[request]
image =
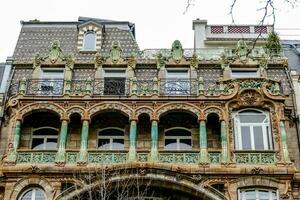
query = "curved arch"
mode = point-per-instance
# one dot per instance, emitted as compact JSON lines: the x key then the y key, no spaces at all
{"x":124,"y":109}
{"x":216,"y":110}
{"x":30,"y":108}
{"x":75,"y":109}
{"x":165,"y":181}
{"x":190,"y":108}
{"x":144,"y":110}
{"x":25,"y":183}
{"x":259,"y":181}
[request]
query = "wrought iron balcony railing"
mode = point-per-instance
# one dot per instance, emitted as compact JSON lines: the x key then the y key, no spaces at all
{"x":178,"y":87}
{"x":139,"y":87}
{"x":45,"y":87}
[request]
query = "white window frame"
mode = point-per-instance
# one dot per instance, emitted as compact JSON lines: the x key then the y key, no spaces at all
{"x":241,"y":193}
{"x":83,"y":44}
{"x":245,"y":70}
{"x":111,"y":138}
{"x":266,"y":128}
{"x":182,"y":73}
{"x":178,"y":138}
{"x":45,"y":137}
{"x":33,"y":195}
{"x":47,"y":79}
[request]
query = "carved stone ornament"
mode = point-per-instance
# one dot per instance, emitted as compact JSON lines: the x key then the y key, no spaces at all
{"x":249,"y":98}
{"x":55,"y":51}
{"x":194,"y":60}
{"x":177,"y":51}
{"x":257,"y":170}
{"x":98,"y":59}
{"x":132,"y":60}
{"x":37,"y":60}
{"x":242,"y":50}
{"x":115,"y":52}
{"x":70,"y":60}
{"x":160,"y":61}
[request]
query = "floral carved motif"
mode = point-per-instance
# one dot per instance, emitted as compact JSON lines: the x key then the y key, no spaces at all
{"x":249,"y":98}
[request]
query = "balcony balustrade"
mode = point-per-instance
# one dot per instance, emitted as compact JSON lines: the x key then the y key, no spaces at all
{"x":116,"y":157}
{"x":122,"y":87}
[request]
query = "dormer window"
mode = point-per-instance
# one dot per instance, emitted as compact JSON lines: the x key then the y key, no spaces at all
{"x":89,"y":41}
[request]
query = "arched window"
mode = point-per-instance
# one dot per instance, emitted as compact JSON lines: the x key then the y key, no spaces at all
{"x":258,"y":194}
{"x":33,"y":194}
{"x":111,"y":138}
{"x":89,"y":41}
{"x":252,"y":130}
{"x":44,"y":138}
{"x":178,"y":139}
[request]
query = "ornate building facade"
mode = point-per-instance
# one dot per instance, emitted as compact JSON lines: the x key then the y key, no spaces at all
{"x":90,"y":116}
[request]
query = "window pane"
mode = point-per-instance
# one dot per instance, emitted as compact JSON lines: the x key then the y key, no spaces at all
{"x":246,"y":139}
{"x":252,"y":118}
{"x":258,"y":137}
{"x":103,"y":143}
{"x":27,"y":195}
{"x":170,"y":144}
{"x":263,"y":195}
{"x":243,"y":74}
{"x":250,"y":195}
{"x":185,"y":144}
{"x":37,"y":143}
{"x":186,"y":141}
{"x":51,"y":143}
{"x":39,"y":195}
{"x":274,"y":196}
{"x":89,"y":41}
{"x":118,"y":144}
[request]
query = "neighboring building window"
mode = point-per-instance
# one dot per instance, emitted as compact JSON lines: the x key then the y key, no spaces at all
{"x":44,"y":138}
{"x":252,"y":130}
{"x":115,"y":82}
{"x":244,"y":73}
{"x":89,"y":41}
{"x":111,"y":139}
{"x":178,"y":139}
{"x":258,"y":194}
{"x":33,"y":194}
{"x":177,"y":82}
{"x":51,"y":82}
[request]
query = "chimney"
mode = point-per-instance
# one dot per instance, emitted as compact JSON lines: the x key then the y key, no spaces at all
{"x":199,"y":27}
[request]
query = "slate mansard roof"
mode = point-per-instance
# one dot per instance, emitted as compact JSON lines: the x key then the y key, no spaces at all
{"x":36,"y":37}
{"x":292,"y":52}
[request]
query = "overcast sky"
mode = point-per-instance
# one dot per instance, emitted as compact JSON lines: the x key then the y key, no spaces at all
{"x":158,"y":22}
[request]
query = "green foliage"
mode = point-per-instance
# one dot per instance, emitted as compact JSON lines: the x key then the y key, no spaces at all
{"x":273,"y":45}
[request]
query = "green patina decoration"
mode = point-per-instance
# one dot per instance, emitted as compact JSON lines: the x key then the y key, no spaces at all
{"x":60,"y":156}
{"x":70,"y":60}
{"x":242,"y":50}
{"x":12,"y":156}
{"x":83,"y":155}
{"x":224,"y":142}
{"x":177,"y":51}
{"x":160,"y":61}
{"x":203,"y":142}
{"x":132,"y":141}
{"x":154,"y":141}
{"x":250,"y":84}
{"x":273,"y":45}
{"x":179,"y":158}
{"x":115,"y":52}
{"x":274,"y":88}
{"x":284,"y":142}
{"x":55,"y":51}
{"x":255,"y":158}
{"x":37,"y":60}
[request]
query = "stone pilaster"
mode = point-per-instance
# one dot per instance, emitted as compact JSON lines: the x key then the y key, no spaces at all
{"x":154,"y":141}
{"x":83,"y":154}
{"x":61,"y":154}
{"x":132,"y":141}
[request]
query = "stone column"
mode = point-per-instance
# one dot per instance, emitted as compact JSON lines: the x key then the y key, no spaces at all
{"x":83,"y":154}
{"x":12,"y":155}
{"x":61,"y":154}
{"x":224,"y":143}
{"x":132,"y":141}
{"x":285,"y":153}
{"x":154,"y":141}
{"x":203,"y":142}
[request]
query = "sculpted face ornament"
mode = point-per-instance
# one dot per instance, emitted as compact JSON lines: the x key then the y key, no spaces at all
{"x":177,"y":51}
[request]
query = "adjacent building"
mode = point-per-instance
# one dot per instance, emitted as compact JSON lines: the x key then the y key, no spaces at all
{"x":91,"y":116}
